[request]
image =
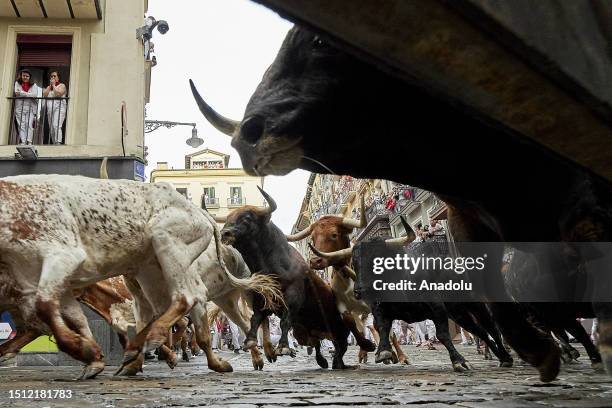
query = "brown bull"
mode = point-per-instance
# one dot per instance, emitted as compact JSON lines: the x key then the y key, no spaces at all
{"x":331,"y":234}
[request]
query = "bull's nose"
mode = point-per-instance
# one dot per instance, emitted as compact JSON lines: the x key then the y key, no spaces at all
{"x":226,"y":236}
{"x":251,"y":129}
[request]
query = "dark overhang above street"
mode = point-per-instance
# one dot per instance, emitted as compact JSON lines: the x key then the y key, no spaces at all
{"x":543,"y":70}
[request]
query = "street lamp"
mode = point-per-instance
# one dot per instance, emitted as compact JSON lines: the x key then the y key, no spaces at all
{"x":194,"y":141}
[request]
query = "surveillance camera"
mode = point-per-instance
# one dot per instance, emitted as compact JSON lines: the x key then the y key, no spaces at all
{"x":162,"y":26}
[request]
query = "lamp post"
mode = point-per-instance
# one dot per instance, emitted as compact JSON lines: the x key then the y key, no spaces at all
{"x":194,"y":141}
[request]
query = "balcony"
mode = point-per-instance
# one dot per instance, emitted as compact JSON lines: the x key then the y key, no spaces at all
{"x":211,"y":202}
{"x":437,"y":211}
{"x":236,"y":202}
{"x":40,"y":121}
{"x":377,"y":217}
{"x":89,"y":9}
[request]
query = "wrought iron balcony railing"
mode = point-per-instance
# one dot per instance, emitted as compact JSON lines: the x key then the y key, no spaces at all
{"x":236,"y":202}
{"x":211,"y":202}
{"x":38,"y":120}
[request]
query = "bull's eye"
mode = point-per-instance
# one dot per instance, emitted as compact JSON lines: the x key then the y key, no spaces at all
{"x":317,"y":42}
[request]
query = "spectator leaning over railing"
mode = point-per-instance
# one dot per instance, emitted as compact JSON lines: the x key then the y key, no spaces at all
{"x":56,"y":108}
{"x":25,"y":109}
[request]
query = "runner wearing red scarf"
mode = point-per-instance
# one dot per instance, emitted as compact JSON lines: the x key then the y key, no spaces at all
{"x":25,"y":109}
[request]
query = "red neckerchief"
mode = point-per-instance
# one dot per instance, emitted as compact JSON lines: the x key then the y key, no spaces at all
{"x":25,"y":86}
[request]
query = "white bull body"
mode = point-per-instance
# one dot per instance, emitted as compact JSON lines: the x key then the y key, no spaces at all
{"x":59,"y":233}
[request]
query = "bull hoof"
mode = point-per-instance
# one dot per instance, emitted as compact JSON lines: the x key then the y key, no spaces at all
{"x":269,"y":353}
{"x":488,"y":356}
{"x":172,"y":360}
{"x":368,"y":345}
{"x":549,"y":368}
{"x":321,"y":361}
{"x":346,"y":367}
{"x":223,"y":367}
{"x":91,"y":370}
{"x":506,"y":364}
{"x":258,"y":364}
{"x":575,"y":354}
{"x":362,"y":356}
{"x":285,"y":351}
{"x":597,"y":366}
{"x":132,"y":367}
{"x":6,"y":357}
{"x":394,"y":358}
{"x":383,"y":355}
{"x":185,"y":357}
{"x":309,"y":350}
{"x":566,"y":357}
{"x":249,"y":344}
{"x":404,"y":360}
{"x":461,"y":367}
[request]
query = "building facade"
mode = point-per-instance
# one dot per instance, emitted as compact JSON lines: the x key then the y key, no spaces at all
{"x":384,"y":201}
{"x":207,"y":177}
{"x":93,"y":45}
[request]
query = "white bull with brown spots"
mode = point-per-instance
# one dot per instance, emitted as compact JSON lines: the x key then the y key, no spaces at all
{"x":60,"y":233}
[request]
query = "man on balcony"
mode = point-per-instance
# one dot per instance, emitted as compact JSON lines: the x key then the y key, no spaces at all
{"x":56,"y":107}
{"x":25,"y":109}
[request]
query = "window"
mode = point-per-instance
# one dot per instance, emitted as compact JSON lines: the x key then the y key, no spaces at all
{"x":236,"y":196}
{"x":36,"y":118}
{"x":209,"y":197}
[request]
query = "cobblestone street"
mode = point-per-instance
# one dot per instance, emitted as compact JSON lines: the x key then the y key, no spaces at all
{"x":299,"y":382}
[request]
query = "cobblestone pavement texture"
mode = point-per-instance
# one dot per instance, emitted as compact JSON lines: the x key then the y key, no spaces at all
{"x":428,"y":381}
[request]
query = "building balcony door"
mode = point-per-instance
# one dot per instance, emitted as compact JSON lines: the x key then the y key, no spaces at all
{"x":35,"y":118}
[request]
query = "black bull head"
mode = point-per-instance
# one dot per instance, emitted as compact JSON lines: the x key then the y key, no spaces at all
{"x":298,"y":108}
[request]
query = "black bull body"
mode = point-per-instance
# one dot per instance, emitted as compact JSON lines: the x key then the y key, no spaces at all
{"x":321,"y":109}
{"x":310,"y":304}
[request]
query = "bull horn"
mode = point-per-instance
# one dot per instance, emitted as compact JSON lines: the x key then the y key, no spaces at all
{"x":351,"y":223}
{"x":219,"y":218}
{"x":103,"y":169}
{"x":410,"y":234}
{"x":350,"y":272}
{"x":300,"y":235}
{"x":271,"y":203}
{"x":333,"y":256}
{"x":221,"y":123}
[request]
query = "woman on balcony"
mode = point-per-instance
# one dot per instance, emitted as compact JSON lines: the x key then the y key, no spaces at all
{"x":25,"y":109}
{"x":56,"y":108}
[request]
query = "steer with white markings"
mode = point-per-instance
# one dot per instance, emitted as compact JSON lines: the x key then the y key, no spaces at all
{"x":60,"y":233}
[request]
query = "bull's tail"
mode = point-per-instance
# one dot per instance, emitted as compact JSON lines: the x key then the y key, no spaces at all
{"x":212,"y":313}
{"x":266,"y":285}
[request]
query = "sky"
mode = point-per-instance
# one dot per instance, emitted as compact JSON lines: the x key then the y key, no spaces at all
{"x":225,"y":46}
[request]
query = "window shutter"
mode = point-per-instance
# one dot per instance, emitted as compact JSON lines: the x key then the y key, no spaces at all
{"x":44,"y":50}
{"x":44,"y":56}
